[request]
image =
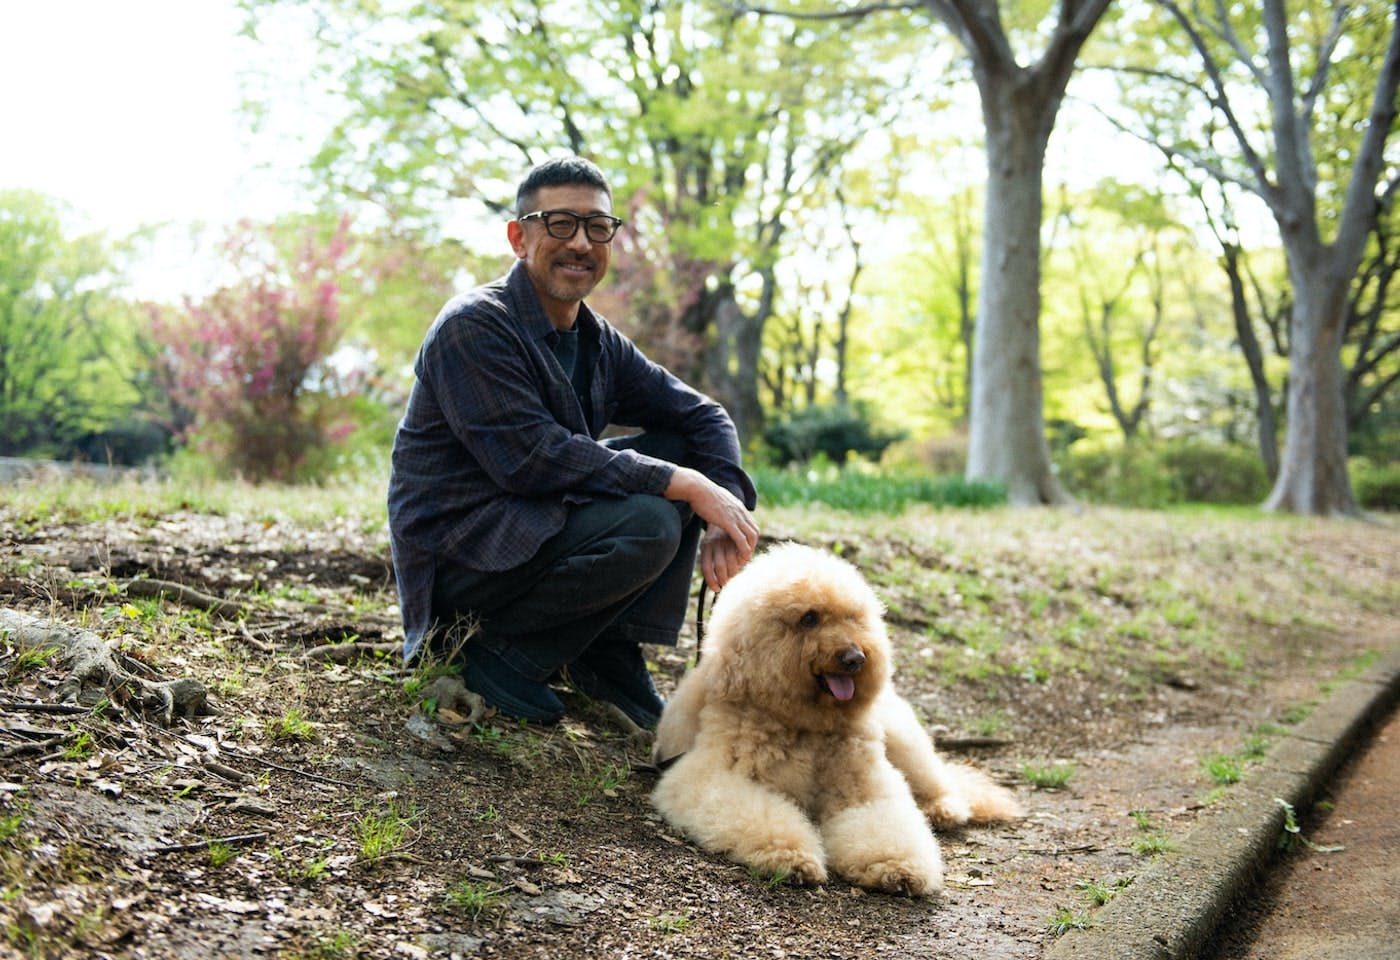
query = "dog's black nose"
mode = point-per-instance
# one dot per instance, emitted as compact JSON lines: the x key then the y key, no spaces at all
{"x":851,"y":659}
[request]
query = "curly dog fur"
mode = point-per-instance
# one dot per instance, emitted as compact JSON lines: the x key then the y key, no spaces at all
{"x":794,"y":754}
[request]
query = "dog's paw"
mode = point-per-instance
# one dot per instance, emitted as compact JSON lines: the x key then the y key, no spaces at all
{"x":789,"y":866}
{"x":995,"y":804}
{"x":947,"y":810}
{"x":899,"y":876}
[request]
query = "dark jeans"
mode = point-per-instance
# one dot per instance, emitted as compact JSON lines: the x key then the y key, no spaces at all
{"x":619,"y":571}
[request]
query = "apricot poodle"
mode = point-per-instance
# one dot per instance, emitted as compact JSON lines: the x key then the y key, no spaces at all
{"x":787,"y":749}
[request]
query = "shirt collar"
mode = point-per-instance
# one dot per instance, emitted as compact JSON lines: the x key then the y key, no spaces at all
{"x":533,"y":319}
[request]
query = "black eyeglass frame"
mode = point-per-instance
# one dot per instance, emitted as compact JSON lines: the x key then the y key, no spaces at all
{"x":552,"y":227}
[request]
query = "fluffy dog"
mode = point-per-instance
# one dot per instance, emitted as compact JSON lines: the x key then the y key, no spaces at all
{"x":792,"y":753}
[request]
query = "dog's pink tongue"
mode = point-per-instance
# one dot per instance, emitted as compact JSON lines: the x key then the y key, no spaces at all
{"x":842,"y":687}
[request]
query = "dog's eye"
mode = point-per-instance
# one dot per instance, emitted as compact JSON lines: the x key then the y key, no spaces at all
{"x":810,"y":619}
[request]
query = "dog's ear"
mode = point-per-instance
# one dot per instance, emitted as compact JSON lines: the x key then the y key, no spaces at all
{"x":724,"y":679}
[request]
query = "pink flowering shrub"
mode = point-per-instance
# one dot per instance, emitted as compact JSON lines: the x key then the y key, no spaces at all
{"x":245,"y":367}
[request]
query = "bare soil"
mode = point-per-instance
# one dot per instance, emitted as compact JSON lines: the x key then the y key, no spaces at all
{"x":321,"y":810}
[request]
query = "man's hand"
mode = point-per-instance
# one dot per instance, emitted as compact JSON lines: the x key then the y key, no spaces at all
{"x":732,"y":535}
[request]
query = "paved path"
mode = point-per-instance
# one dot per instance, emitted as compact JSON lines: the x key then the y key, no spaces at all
{"x":1343,"y":905}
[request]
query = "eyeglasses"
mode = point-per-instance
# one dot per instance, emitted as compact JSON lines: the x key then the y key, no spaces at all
{"x":563,"y":224}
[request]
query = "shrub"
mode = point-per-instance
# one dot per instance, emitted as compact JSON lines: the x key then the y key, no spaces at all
{"x":1131,"y":475}
{"x":835,"y":432}
{"x":245,"y":368}
{"x":1216,"y":473}
{"x":1148,"y":475}
{"x":1376,"y":486}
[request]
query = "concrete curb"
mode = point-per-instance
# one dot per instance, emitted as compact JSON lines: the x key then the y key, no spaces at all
{"x":1173,"y":908}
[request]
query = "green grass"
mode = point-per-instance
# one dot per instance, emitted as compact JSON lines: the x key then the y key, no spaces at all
{"x":860,"y":491}
{"x":1048,"y":776}
{"x":1064,"y":920}
{"x":382,"y":832}
{"x":669,"y":923}
{"x":1224,"y":768}
{"x":1151,"y":840}
{"x":292,"y":725}
{"x":1100,"y":892}
{"x":473,"y":899}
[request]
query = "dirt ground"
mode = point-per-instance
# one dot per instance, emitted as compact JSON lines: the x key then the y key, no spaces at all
{"x":322,"y":810}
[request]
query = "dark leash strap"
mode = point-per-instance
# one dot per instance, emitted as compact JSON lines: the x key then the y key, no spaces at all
{"x":700,"y":622}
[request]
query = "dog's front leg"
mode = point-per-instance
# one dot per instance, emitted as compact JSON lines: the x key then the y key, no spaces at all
{"x":727,"y":813}
{"x":950,"y":794}
{"x":876,"y":836}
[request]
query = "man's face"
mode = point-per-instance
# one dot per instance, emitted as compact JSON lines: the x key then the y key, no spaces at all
{"x":563,"y":271}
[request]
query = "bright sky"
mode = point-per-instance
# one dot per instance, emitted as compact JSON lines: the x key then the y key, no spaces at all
{"x":127,"y":110}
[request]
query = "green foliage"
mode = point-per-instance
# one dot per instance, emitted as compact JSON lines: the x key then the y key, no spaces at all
{"x":834,"y":432}
{"x":474,"y":899}
{"x":1216,"y":473}
{"x":1064,"y":920}
{"x":1128,"y":475}
{"x":1376,"y":486}
{"x":1148,"y":475}
{"x":66,"y":358}
{"x":1224,"y":768}
{"x":862,"y":492}
{"x":1048,"y":776}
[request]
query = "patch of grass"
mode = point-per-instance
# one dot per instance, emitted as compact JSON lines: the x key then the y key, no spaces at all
{"x":292,"y":725}
{"x":340,"y":945}
{"x":1151,"y":840}
{"x":988,"y":724}
{"x":1100,"y":892}
{"x":1224,"y":768}
{"x":770,"y":880}
{"x":382,"y":832}
{"x":220,"y":853}
{"x":859,"y":491}
{"x":23,"y":939}
{"x":669,"y":923}
{"x":80,"y":747}
{"x":1064,"y":920}
{"x":11,"y":821}
{"x":603,"y":783}
{"x":1048,"y":776}
{"x":473,"y":899}
{"x":31,"y":658}
{"x":1297,"y":713}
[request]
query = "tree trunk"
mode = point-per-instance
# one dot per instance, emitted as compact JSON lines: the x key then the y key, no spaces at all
{"x":731,"y":362}
{"x":1312,"y":476}
{"x":1254,"y":359}
{"x":1006,"y":441}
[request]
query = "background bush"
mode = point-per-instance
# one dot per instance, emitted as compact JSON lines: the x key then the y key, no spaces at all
{"x":834,"y":432}
{"x":1376,"y":486}
{"x":1151,"y":475}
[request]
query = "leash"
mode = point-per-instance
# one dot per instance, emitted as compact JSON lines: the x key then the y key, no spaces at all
{"x":700,"y":622}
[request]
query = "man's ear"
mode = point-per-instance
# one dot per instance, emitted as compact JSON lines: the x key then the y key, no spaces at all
{"x":515,"y":233}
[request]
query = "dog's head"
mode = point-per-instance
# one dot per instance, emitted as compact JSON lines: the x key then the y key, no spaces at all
{"x":799,"y":631}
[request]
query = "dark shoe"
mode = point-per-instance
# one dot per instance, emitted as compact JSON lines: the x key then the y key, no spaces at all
{"x":506,"y":689}
{"x":617,"y":673}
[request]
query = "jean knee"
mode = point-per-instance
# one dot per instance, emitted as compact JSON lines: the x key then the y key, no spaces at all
{"x":658,"y":520}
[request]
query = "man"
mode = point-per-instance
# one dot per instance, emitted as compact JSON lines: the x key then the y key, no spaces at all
{"x":507,"y":510}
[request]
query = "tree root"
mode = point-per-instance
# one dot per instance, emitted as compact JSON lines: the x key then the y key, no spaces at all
{"x":94,"y":675}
